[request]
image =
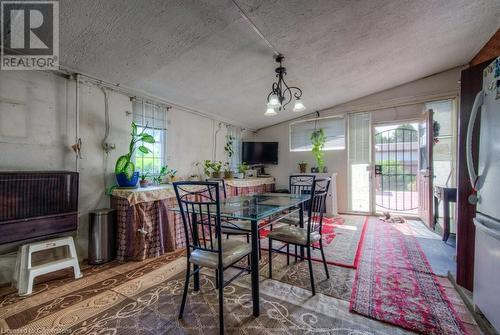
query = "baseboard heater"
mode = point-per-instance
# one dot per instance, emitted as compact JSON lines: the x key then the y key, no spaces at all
{"x":35,"y":205}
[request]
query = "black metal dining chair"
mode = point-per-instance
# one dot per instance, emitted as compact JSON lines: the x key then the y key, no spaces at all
{"x":311,"y":233}
{"x":234,"y":227}
{"x":297,"y":184}
{"x":199,"y":204}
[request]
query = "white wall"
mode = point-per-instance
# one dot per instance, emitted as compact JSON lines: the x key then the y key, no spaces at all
{"x":37,"y":129}
{"x":400,"y":103}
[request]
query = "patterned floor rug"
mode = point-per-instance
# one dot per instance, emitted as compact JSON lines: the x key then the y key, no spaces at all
{"x":394,"y":283}
{"x":342,"y":240}
{"x":144,"y":298}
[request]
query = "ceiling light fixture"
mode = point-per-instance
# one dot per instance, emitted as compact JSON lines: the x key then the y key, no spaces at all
{"x":281,"y":94}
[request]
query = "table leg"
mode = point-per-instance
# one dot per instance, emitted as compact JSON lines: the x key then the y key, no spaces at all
{"x":301,"y":224}
{"x":436,"y":212}
{"x":255,"y":268}
{"x":446,"y":220}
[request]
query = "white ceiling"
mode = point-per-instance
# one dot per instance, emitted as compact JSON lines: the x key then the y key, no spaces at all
{"x":203,"y":55}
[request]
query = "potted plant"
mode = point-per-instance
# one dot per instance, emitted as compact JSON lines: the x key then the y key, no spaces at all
{"x":144,"y":181}
{"x":171,"y":175}
{"x":126,"y":176}
{"x":216,"y":169}
{"x":207,"y":167}
{"x":318,"y":140}
{"x":228,"y":174}
{"x":302,"y":167}
{"x":228,"y":148}
{"x":242,"y":170}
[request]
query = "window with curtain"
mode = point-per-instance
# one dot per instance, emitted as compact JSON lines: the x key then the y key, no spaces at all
{"x":151,"y":118}
{"x":333,"y":127}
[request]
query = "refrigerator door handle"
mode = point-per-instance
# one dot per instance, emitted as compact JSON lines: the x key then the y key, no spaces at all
{"x":478,"y":102}
{"x":487,"y":230}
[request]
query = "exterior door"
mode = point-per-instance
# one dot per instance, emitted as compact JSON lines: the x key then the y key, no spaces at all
{"x":396,"y":167}
{"x":425,"y":174}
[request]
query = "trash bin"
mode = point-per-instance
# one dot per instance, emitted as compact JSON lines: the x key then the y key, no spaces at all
{"x":102,"y":236}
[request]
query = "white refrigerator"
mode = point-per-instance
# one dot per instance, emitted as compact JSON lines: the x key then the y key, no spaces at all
{"x":486,"y":182}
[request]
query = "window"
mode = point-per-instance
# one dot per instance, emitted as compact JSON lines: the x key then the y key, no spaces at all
{"x":334,"y":128}
{"x":152,"y":118}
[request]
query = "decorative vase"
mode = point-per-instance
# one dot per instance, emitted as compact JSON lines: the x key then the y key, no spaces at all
{"x":314,"y":170}
{"x":215,"y":174}
{"x":303,"y":168}
{"x":143,"y":183}
{"x":325,"y":169}
{"x":123,"y":181}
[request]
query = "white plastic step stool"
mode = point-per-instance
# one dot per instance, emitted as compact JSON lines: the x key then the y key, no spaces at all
{"x":25,"y":273}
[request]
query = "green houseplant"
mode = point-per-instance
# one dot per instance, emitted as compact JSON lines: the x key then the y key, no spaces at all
{"x":126,"y":175}
{"x":318,"y":140}
{"x":216,"y":169}
{"x":228,"y":148}
{"x":242,"y":169}
{"x":302,"y":167}
{"x":144,"y":179}
{"x":228,"y":174}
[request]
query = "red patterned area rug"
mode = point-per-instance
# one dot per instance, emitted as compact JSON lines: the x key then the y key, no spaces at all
{"x":342,"y":240}
{"x":394,"y":283}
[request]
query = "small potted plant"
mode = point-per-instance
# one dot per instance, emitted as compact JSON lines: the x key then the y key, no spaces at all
{"x":216,"y":169}
{"x":144,"y":182}
{"x":207,"y":167}
{"x":159,"y":178}
{"x":242,"y":170}
{"x":126,"y":176}
{"x":302,"y":167}
{"x":318,"y":139}
{"x":171,"y":175}
{"x":228,"y":174}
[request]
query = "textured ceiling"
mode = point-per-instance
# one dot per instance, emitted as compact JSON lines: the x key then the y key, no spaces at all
{"x":204,"y":56}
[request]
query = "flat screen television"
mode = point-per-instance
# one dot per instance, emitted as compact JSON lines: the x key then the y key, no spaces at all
{"x":259,"y":153}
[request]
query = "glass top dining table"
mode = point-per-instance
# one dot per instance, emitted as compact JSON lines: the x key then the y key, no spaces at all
{"x":258,"y":206}
{"x":255,"y":208}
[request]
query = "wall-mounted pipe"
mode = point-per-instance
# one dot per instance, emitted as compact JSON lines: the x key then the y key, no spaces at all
{"x":78,"y":140}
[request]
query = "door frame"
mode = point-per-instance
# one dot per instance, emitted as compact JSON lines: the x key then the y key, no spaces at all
{"x":373,"y":197}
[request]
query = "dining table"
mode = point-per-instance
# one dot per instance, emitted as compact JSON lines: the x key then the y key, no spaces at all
{"x":262,"y":210}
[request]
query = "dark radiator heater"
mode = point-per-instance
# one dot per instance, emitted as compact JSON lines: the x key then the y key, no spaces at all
{"x":37,"y":204}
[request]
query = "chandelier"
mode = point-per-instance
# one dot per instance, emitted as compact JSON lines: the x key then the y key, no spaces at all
{"x":281,"y":94}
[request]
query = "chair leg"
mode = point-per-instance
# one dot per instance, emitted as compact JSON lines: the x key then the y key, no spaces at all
{"x":196,"y":278}
{"x":296,"y":253}
{"x":184,"y":294}
{"x":287,"y":254}
{"x":227,"y":236}
{"x":324,"y":259}
{"x":248,"y":238}
{"x":216,"y":279}
{"x":260,"y":253}
{"x":310,"y":269}
{"x":270,"y":259}
{"x":221,"y":300}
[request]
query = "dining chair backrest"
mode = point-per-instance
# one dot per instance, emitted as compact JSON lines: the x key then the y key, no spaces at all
{"x":200,"y":213}
{"x":301,"y":184}
{"x":222,"y":185}
{"x":318,"y":202}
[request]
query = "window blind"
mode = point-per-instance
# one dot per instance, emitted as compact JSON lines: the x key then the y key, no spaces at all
{"x":333,"y":127}
{"x":359,"y":138}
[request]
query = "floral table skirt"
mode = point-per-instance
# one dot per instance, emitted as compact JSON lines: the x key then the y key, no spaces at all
{"x":249,"y":190}
{"x":147,"y":229}
{"x":150,"y":229}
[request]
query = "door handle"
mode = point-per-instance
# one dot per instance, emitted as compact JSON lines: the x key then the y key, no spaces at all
{"x":478,"y":101}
